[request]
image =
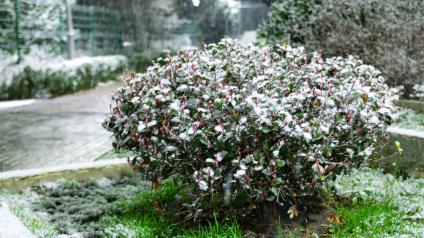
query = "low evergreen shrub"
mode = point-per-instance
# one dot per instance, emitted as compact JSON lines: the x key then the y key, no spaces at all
{"x":241,"y":126}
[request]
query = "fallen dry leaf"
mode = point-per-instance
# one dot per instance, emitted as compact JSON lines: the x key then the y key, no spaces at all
{"x":334,"y":219}
{"x":293,"y":212}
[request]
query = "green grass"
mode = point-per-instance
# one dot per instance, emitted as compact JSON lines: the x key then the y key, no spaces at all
{"x":216,"y":229}
{"x":368,"y":219}
{"x":382,"y":205}
{"x":120,"y":209}
{"x":39,"y":227}
{"x":140,"y":217}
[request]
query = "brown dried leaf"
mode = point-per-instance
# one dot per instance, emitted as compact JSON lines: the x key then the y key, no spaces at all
{"x":293,"y":212}
{"x":334,"y":219}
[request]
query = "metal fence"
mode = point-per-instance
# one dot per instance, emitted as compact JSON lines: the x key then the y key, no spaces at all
{"x":112,"y":27}
{"x":96,"y":29}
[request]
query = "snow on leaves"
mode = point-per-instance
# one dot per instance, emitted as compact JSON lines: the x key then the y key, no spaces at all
{"x":266,"y":121}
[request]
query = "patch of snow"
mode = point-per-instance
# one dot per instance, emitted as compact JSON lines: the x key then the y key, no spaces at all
{"x":104,"y":182}
{"x":50,"y":185}
{"x":11,"y":226}
{"x":42,"y":59}
{"x":15,"y":103}
{"x":248,"y":37}
{"x":104,"y":84}
{"x":406,"y":132}
{"x":75,"y":235}
{"x":418,"y":91}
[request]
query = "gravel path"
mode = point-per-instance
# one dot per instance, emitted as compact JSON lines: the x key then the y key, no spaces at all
{"x":57,"y":131}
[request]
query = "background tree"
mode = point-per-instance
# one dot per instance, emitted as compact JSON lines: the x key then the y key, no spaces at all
{"x":385,"y":33}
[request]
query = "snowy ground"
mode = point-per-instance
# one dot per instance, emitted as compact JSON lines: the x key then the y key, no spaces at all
{"x":11,"y":226}
{"x":58,"y":131}
{"x":373,"y":185}
{"x":407,"y":132}
{"x":15,"y":103}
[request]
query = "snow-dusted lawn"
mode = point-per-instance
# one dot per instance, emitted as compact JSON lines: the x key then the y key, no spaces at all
{"x":403,"y":217}
{"x":382,"y":206}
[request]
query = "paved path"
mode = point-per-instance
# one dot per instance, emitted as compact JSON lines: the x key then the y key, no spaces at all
{"x":56,"y":131}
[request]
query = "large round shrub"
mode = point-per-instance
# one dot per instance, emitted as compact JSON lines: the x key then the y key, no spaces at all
{"x":385,"y":33}
{"x":233,"y":121}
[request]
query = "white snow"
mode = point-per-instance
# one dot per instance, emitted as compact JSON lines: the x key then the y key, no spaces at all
{"x":41,"y":59}
{"x":374,"y":185}
{"x":406,"y":132}
{"x":11,"y":226}
{"x":15,"y":103}
{"x":248,"y":37}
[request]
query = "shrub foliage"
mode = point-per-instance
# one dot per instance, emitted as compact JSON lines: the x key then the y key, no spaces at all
{"x":384,"y":33}
{"x":33,"y":82}
{"x":264,"y":124}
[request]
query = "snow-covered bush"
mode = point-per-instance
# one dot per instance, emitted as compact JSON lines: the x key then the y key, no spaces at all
{"x":268,"y":123}
{"x":43,"y":74}
{"x":384,"y":33}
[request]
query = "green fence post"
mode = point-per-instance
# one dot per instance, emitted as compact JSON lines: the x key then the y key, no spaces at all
{"x":18,"y":45}
{"x":92,"y":31}
{"x":114,"y":31}
{"x":62,"y":32}
{"x":71,"y":33}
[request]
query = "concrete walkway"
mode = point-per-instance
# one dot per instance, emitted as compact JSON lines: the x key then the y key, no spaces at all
{"x":57,"y":131}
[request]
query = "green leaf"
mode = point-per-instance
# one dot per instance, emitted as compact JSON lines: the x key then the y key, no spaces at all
{"x":281,"y":163}
{"x":275,"y":191}
{"x":218,"y":105}
{"x":398,"y":147}
{"x":257,"y":155}
{"x":327,"y":150}
{"x":265,"y":130}
{"x":266,"y":148}
{"x":203,"y":140}
{"x":278,"y":181}
{"x":270,"y":198}
{"x":355,"y":95}
{"x":125,"y":108}
{"x":319,"y":136}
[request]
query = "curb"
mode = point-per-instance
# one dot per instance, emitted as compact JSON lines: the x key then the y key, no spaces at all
{"x":18,"y":180}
